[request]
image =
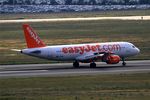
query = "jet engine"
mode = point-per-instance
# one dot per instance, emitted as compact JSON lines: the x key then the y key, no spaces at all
{"x":111,"y":59}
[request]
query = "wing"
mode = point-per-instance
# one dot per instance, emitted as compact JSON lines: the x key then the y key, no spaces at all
{"x":107,"y":57}
{"x":90,"y":57}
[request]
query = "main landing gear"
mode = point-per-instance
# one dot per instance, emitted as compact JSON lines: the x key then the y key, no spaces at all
{"x":123,"y":63}
{"x":76,"y":64}
{"x":93,"y":65}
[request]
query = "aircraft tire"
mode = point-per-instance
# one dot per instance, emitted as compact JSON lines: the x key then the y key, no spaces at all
{"x":93,"y":65}
{"x":124,"y":64}
{"x":76,"y":64}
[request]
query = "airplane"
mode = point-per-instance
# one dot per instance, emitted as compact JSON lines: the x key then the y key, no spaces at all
{"x":109,"y":52}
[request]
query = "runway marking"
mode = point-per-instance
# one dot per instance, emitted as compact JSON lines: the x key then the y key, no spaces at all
{"x":77,"y":19}
{"x":67,"y":72}
{"x":11,"y":72}
{"x":62,"y":70}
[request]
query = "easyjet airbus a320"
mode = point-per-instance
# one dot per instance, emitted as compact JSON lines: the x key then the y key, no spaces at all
{"x":109,"y":52}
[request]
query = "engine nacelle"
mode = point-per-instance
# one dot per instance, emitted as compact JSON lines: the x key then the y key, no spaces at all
{"x":112,"y":59}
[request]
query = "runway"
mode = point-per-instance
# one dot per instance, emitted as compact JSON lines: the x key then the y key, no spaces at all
{"x":77,"y":19}
{"x":66,"y":69}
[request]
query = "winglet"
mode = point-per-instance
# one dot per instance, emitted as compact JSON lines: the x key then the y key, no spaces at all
{"x":32,"y":39}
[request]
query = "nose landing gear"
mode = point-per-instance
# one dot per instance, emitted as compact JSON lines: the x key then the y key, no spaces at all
{"x":123,"y":63}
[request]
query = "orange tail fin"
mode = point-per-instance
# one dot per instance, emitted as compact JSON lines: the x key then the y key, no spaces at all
{"x":32,"y":39}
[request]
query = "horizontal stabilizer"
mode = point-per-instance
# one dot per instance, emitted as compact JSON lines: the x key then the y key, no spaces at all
{"x":16,"y":50}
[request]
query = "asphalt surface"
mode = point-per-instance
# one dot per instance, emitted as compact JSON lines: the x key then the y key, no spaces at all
{"x":77,"y":19}
{"x":66,"y":69}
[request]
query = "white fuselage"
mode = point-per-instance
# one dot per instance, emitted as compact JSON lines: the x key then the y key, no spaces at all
{"x":77,"y":51}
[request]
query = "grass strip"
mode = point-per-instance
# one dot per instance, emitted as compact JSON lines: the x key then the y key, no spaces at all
{"x":96,"y":87}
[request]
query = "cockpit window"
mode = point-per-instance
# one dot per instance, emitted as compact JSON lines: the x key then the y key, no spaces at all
{"x":133,"y":46}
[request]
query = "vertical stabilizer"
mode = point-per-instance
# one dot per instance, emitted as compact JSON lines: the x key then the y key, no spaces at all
{"x":32,"y":39}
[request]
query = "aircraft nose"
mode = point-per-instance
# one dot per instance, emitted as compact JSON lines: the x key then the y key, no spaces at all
{"x":137,"y":50}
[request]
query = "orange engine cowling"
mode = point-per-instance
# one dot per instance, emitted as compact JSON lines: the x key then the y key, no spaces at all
{"x":112,"y":59}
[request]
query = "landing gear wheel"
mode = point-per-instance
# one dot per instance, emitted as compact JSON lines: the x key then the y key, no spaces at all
{"x":123,"y":63}
{"x":92,"y":65}
{"x":76,"y":64}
